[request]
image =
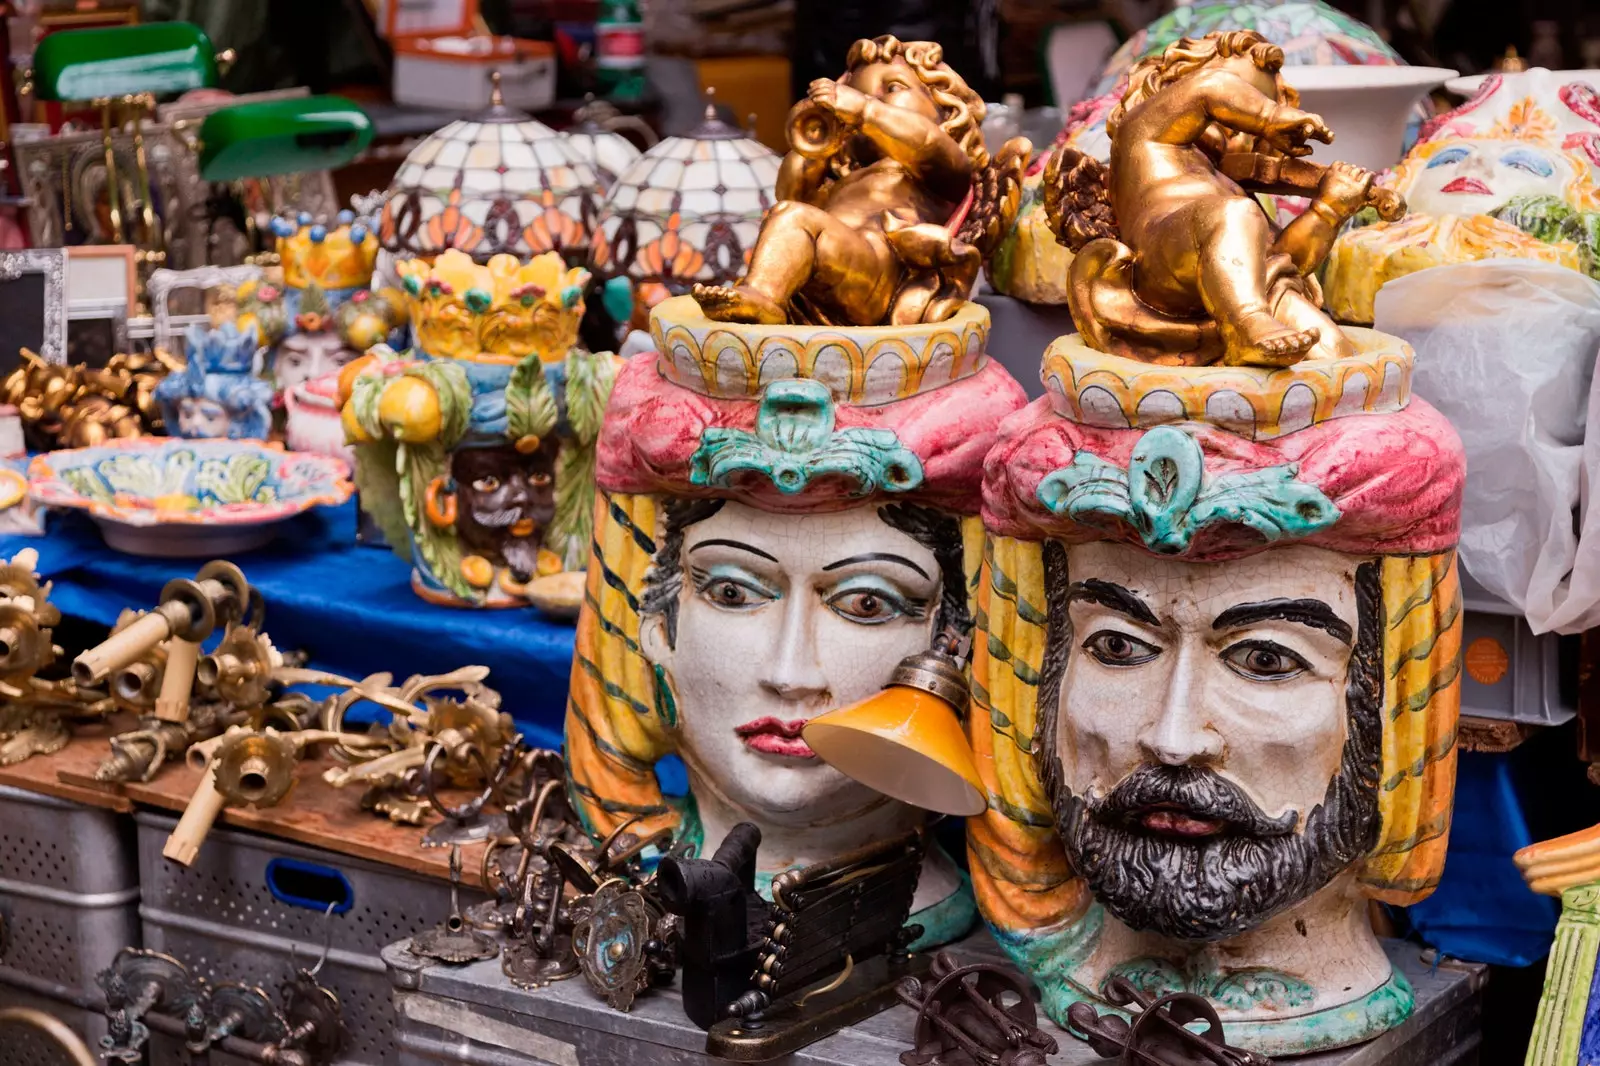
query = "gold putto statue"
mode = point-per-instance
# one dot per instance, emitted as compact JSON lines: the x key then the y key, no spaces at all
{"x":1176,"y":262}
{"x":889,"y":200}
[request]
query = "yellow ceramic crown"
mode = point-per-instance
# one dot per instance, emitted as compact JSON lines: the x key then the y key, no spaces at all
{"x":339,"y":258}
{"x":496,"y":312}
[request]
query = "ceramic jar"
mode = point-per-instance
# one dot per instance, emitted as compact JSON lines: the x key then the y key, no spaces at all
{"x":475,"y":447}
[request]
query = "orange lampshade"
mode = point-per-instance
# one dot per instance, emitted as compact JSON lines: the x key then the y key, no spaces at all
{"x":907,"y":741}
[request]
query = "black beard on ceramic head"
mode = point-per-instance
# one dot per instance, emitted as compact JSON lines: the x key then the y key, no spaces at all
{"x":1206,"y":888}
{"x":1213,"y":887}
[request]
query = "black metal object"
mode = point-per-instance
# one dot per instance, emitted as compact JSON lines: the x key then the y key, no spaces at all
{"x":1159,"y":1034}
{"x":977,"y":1015}
{"x":454,"y":942}
{"x":724,"y":922}
{"x":833,"y":950}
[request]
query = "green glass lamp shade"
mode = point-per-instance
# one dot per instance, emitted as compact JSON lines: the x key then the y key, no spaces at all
{"x":157,"y":57}
{"x":282,"y":137}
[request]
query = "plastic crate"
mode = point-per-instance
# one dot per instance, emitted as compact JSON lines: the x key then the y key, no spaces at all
{"x":1508,"y":672}
{"x":69,"y":896}
{"x":25,"y":1046}
{"x":252,"y":907}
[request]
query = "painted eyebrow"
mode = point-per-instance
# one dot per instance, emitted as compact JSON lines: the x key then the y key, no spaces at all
{"x":877,"y":557}
{"x":1312,"y":613}
{"x":1109,"y":594}
{"x":734,"y":544}
{"x":1532,"y":159}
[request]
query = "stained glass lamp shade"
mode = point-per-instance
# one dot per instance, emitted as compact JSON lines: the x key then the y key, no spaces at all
{"x":688,"y":210}
{"x":498,"y":182}
{"x":606,"y":152}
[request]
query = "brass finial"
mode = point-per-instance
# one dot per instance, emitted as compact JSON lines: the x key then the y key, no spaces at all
{"x":496,"y":98}
{"x":711,"y":103}
{"x":1511,"y":62}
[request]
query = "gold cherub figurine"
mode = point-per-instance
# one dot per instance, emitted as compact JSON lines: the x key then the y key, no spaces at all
{"x":1176,"y":262}
{"x":889,"y":200}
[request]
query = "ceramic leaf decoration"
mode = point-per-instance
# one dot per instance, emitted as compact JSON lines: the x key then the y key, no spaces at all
{"x":1164,"y":494}
{"x":795,"y":443}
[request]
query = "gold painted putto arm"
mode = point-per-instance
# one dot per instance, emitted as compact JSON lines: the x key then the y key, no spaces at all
{"x":1188,"y":108}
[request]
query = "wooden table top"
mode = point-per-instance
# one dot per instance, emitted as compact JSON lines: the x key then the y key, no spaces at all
{"x":314,"y":813}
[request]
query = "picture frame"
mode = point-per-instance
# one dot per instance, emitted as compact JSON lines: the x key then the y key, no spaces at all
{"x":164,"y":284}
{"x":33,"y":305}
{"x":102,"y":293}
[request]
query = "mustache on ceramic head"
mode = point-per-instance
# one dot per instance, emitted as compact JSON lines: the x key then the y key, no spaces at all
{"x":1190,"y":790}
{"x":505,"y":516}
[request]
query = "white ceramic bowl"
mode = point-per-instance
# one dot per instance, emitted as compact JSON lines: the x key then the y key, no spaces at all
{"x":1367,"y":107}
{"x":1469,"y":85}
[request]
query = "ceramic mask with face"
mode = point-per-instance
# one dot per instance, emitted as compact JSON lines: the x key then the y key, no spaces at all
{"x":504,"y":501}
{"x":1513,"y":173}
{"x":764,"y":623}
{"x":304,"y":356}
{"x":200,"y":417}
{"x":1473,"y":177}
{"x":1214,"y":755}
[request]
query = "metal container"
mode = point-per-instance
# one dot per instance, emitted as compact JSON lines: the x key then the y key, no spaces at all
{"x":69,"y":901}
{"x":253,"y":908}
{"x":473,"y":1015}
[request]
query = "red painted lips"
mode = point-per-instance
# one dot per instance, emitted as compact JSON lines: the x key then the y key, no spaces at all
{"x":1468,"y":185}
{"x":1176,"y":823}
{"x":772,"y":737}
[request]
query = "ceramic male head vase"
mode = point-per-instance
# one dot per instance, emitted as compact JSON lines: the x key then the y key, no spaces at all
{"x":1512,"y":173}
{"x":785,"y":513}
{"x":475,"y":447}
{"x":324,"y":314}
{"x":1220,"y":613}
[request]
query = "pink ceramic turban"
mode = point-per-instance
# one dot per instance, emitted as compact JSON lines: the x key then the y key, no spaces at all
{"x":655,"y":429}
{"x":1393,"y":481}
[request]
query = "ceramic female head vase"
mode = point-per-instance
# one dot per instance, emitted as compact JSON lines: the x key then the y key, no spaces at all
{"x":475,"y":447}
{"x":1512,"y":173}
{"x":788,"y":483}
{"x":218,"y":393}
{"x":1219,"y":614}
{"x":785,"y":513}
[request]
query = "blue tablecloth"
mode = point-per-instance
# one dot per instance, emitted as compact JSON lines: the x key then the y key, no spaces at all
{"x":350,"y":607}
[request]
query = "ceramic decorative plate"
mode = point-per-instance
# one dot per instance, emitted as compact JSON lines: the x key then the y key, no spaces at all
{"x":170,"y":497}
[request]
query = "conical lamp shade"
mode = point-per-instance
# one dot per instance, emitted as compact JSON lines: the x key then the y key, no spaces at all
{"x":906,"y":742}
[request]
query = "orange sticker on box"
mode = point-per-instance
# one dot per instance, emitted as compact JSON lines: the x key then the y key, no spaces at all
{"x":1486,"y":661}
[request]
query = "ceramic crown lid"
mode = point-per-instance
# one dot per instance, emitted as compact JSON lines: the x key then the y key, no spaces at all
{"x":495,"y":312}
{"x":864,"y":365}
{"x":1108,"y":391}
